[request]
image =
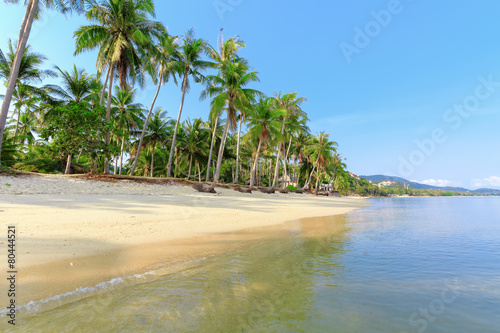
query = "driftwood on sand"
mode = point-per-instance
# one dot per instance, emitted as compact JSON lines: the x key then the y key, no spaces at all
{"x":200,"y":187}
{"x":299,"y":191}
{"x":267,"y":190}
{"x":244,"y":189}
{"x":283,"y":190}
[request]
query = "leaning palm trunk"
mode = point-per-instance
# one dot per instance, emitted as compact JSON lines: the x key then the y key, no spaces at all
{"x":221,"y":152}
{"x":23,"y":39}
{"x":310,"y":176}
{"x":153,"y":159}
{"x":211,"y":149}
{"x":277,"y":167}
{"x":121,"y":155}
{"x":108,"y":116}
{"x":317,"y":183}
{"x":238,"y":153}
{"x":115,"y":171}
{"x":252,"y":175}
{"x":190,"y":165}
{"x":169,"y":169}
{"x":67,"y":171}
{"x":285,"y":173}
{"x":144,"y":128}
{"x":101,"y":100}
{"x":199,"y":172}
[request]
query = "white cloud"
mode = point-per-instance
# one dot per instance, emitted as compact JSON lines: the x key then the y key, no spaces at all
{"x":492,"y":181}
{"x":438,"y":182}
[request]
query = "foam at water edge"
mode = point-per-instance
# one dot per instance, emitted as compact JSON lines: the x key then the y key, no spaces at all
{"x":80,"y":293}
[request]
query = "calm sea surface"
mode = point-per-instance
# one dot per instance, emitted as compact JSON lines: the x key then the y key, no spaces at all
{"x":401,"y":265}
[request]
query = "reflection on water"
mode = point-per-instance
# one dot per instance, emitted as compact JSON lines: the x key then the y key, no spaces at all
{"x":402,"y":265}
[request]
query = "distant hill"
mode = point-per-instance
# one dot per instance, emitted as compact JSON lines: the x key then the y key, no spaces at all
{"x":379,"y":178}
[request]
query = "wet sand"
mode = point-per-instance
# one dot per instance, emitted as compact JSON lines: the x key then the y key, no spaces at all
{"x":75,"y":233}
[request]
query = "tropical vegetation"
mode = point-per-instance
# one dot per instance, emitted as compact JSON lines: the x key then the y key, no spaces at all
{"x":89,"y":124}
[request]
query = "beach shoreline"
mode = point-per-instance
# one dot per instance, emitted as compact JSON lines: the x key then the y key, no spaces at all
{"x":75,"y":233}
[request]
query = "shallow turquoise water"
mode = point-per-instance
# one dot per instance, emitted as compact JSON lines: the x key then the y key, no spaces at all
{"x":401,"y":265}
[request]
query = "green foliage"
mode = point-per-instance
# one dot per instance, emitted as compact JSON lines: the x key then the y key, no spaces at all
{"x":10,"y":150}
{"x":226,"y":171}
{"x":78,"y":127}
{"x":291,"y":188}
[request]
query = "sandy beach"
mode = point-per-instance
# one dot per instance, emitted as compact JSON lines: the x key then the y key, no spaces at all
{"x":74,"y":233}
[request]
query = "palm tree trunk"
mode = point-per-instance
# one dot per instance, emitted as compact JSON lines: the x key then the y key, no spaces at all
{"x":310,"y":176}
{"x":153,"y":158}
{"x":108,"y":116}
{"x":211,"y":149}
{"x":238,"y":152}
{"x":190,"y":164}
{"x":169,"y":169}
{"x":104,"y":86}
{"x":79,"y":154}
{"x":276,"y":169}
{"x":67,"y":171}
{"x":116,"y":158}
{"x":145,"y":127}
{"x":199,"y":172}
{"x":121,"y":155}
{"x":285,"y":173}
{"x":317,"y":182}
{"x":221,"y":152}
{"x":252,"y":174}
{"x":23,"y":27}
{"x":21,"y":45}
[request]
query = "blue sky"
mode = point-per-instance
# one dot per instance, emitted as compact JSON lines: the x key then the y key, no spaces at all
{"x":406,"y":88}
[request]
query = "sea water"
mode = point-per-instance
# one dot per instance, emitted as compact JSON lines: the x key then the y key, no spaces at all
{"x":400,"y":265}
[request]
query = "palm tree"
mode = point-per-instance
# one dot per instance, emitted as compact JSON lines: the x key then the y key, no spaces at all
{"x":263,"y":122}
{"x":28,"y":74}
{"x":298,"y":150}
{"x":127,"y":116}
{"x":320,"y":150}
{"x":122,"y":32}
{"x":230,"y":94}
{"x":32,"y":9}
{"x":289,"y":103}
{"x":162,"y":66}
{"x":194,"y":142}
{"x":190,"y":60}
{"x":159,"y":129}
{"x":215,"y":127}
{"x":76,"y":87}
{"x":225,"y":53}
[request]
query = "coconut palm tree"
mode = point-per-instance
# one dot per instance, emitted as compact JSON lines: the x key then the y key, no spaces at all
{"x":215,"y":127}
{"x":29,"y":73}
{"x":194,"y":143}
{"x":225,"y":53}
{"x":321,"y":151}
{"x":190,"y":60}
{"x":76,"y":87}
{"x":32,"y":10}
{"x":229,"y":93}
{"x":162,"y":66}
{"x":263,"y":122}
{"x":122,"y":32}
{"x":289,"y":103}
{"x":127,"y":116}
{"x":159,"y":130}
{"x":298,"y":149}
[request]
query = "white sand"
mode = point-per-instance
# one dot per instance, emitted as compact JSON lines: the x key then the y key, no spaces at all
{"x":61,"y":218}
